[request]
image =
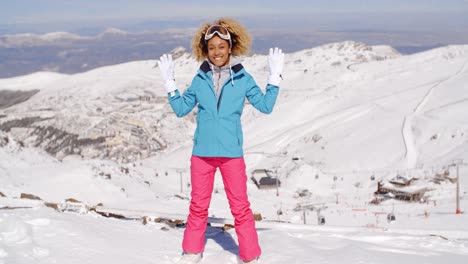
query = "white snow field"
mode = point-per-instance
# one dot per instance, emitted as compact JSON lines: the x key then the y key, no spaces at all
{"x":348,"y":116}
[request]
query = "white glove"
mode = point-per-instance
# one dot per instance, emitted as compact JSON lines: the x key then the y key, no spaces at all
{"x":275,"y":62}
{"x":166,"y":66}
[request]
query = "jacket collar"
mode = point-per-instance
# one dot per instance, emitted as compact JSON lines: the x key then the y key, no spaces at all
{"x":206,"y":73}
{"x":205,"y":67}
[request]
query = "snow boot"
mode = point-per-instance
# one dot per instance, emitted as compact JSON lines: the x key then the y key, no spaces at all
{"x":190,"y":258}
{"x":253,"y":261}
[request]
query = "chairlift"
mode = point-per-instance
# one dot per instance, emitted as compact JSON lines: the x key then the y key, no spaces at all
{"x":391,"y":217}
{"x":321,"y":220}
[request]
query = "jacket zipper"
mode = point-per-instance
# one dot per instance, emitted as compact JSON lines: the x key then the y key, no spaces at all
{"x":220,"y":93}
{"x":219,"y":99}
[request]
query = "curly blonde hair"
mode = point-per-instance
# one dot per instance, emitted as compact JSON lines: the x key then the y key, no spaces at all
{"x":240,"y":38}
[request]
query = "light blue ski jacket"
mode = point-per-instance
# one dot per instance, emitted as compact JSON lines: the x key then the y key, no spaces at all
{"x":219,"y":130}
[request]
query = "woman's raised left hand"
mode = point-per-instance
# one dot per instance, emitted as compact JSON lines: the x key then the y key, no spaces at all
{"x":275,"y":63}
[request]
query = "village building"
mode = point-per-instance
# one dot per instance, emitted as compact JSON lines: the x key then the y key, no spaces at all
{"x":399,"y":191}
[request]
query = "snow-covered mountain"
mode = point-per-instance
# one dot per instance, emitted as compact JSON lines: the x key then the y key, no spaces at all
{"x":29,"y":39}
{"x":61,"y":38}
{"x":336,"y":99}
{"x":348,"y":116}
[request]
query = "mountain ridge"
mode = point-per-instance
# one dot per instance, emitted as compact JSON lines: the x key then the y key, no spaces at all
{"x":125,"y":104}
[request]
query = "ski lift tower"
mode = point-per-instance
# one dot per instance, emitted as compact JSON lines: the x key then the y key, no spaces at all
{"x":277,"y":181}
{"x":181,"y":172}
{"x":312,"y":207}
{"x":457,"y":163}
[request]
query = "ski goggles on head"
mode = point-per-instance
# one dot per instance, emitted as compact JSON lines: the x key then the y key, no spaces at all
{"x":221,"y":31}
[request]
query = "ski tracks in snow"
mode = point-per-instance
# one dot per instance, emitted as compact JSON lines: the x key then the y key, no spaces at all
{"x":411,"y":150}
{"x":341,"y":116}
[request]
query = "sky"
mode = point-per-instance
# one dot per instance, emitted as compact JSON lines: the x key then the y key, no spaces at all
{"x":46,"y":11}
{"x":396,"y":22}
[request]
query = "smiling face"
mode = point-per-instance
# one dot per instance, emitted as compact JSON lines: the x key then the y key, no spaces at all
{"x":218,"y":51}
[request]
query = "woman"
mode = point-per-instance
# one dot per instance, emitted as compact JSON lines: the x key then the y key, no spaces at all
{"x":220,"y":88}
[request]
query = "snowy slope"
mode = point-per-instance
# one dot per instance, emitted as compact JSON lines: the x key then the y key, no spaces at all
{"x":44,"y":236}
{"x":347,"y":116}
{"x":365,"y":103}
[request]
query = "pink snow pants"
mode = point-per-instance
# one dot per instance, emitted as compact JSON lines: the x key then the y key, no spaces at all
{"x":235,"y":184}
